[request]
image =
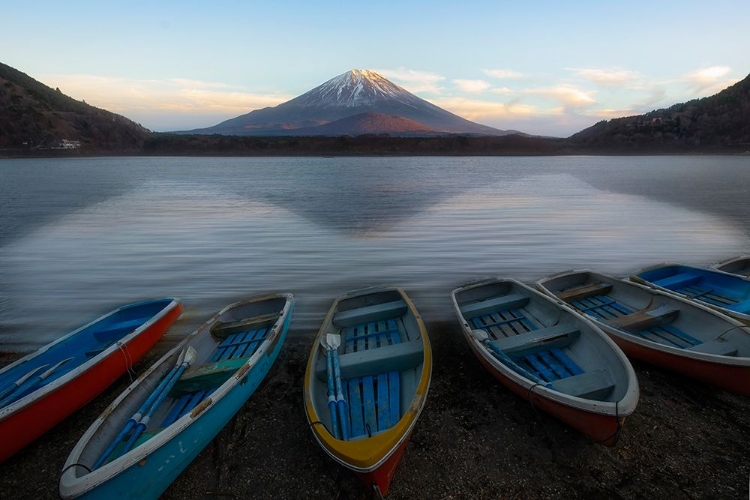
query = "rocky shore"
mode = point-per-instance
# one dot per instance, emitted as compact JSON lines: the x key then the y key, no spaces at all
{"x":475,"y":439}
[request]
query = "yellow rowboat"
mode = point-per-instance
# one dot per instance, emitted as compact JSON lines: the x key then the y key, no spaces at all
{"x":367,"y":380}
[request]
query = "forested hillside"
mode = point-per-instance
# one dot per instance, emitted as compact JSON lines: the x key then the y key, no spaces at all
{"x":716,"y":122}
{"x":35,"y":117}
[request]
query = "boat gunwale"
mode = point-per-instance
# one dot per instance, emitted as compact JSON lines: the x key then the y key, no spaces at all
{"x":624,"y":407}
{"x":120,"y":344}
{"x":421,"y":398}
{"x":740,"y":361}
{"x":72,"y":485}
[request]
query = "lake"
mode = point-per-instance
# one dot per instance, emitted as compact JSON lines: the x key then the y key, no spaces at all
{"x":79,"y":237}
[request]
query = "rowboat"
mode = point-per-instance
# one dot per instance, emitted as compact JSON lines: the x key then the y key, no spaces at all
{"x":41,"y":389}
{"x":727,"y":293}
{"x":661,"y":328}
{"x":543,"y":351}
{"x":159,"y":424}
{"x":736,"y":265}
{"x":367,"y":380}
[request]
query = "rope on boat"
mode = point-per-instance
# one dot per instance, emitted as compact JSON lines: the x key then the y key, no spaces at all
{"x":59,"y":479}
{"x":616,"y":434}
{"x":729,"y":330}
{"x":128,"y":360}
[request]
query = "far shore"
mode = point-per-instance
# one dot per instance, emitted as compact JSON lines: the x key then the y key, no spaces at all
{"x":474,"y":439}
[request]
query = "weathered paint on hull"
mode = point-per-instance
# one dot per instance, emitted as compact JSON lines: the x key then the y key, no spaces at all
{"x":383,"y":475}
{"x":150,"y":477}
{"x":24,"y":426}
{"x":604,"y":429}
{"x":732,"y":378}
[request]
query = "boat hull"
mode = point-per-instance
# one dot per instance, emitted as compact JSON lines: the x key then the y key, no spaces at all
{"x":153,"y":471}
{"x":22,"y":427}
{"x":383,"y":475}
{"x":732,"y":378}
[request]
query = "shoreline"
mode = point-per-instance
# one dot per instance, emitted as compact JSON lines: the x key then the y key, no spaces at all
{"x":474,"y":439}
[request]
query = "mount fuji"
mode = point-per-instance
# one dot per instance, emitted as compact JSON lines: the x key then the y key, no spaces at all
{"x":328,"y":110}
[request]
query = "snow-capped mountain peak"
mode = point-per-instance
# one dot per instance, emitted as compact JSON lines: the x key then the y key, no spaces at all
{"x":355,"y":92}
{"x":354,"y":88}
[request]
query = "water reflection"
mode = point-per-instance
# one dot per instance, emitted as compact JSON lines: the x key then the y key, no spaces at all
{"x":210,"y":240}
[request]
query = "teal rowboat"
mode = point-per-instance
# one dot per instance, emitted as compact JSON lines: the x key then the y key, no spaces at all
{"x":158,"y":425}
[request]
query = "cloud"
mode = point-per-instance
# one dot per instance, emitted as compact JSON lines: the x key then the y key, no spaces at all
{"x":502,"y":73}
{"x":609,"y":77}
{"x":122,"y":95}
{"x":707,"y":77}
{"x":473,"y":109}
{"x":472,"y":86}
{"x":414,"y":81}
{"x":567,"y":95}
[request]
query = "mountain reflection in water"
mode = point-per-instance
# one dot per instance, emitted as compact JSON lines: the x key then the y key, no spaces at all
{"x":82,"y":236}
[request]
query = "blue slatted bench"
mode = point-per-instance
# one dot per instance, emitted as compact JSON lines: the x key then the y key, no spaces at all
{"x":184,"y":405}
{"x":374,"y":356}
{"x":495,"y":304}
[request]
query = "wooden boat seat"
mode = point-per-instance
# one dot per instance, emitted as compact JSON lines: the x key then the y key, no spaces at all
{"x":501,"y":303}
{"x":223,"y":330}
{"x":715,"y":347}
{"x":595,"y":384}
{"x":678,"y":281}
{"x":741,"y":307}
{"x":207,"y":376}
{"x":645,"y":319}
{"x":584,"y":291}
{"x":396,"y":357}
{"x":555,"y":337}
{"x":370,"y":314}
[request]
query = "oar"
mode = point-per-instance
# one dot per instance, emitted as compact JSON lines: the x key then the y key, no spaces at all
{"x":335,"y":341}
{"x":12,"y":387}
{"x":30,"y":383}
{"x":190,"y":357}
{"x":482,"y":337}
{"x":133,"y":421}
{"x":331,"y":390}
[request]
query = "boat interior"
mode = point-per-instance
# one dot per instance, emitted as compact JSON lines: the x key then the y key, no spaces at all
{"x":641,"y":313}
{"x":232,"y":341}
{"x":380,"y":355}
{"x":532,"y":337}
{"x":716,"y":289}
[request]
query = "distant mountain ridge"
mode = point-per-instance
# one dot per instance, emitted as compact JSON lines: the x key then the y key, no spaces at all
{"x":35,"y":116}
{"x":352,"y":93}
{"x":721,"y":120}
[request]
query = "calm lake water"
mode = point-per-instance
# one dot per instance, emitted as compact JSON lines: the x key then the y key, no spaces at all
{"x":79,"y":237}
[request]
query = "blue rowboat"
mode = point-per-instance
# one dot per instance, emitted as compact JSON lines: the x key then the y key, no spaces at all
{"x":181,"y":403}
{"x":727,"y":293}
{"x":41,"y":389}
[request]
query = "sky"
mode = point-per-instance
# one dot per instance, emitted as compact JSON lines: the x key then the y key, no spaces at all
{"x":542,"y":67}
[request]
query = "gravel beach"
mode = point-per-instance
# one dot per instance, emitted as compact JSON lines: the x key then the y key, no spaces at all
{"x":474,"y":439}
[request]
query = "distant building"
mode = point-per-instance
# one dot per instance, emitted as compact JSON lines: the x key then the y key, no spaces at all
{"x":66,"y":144}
